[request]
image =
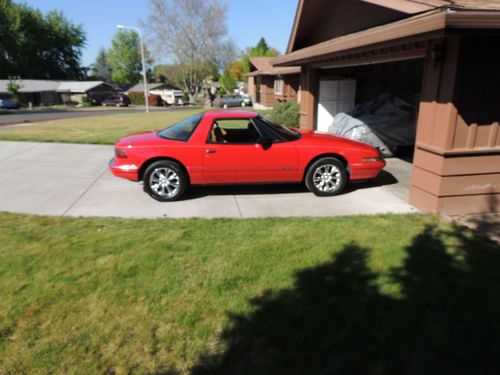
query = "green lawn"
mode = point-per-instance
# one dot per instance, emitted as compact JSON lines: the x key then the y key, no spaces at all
{"x":354,"y":295}
{"x":96,"y":129}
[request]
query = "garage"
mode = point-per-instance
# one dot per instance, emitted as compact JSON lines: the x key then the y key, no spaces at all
{"x":439,"y":57}
{"x":375,"y":104}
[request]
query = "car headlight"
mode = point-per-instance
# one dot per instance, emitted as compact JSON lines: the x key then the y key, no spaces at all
{"x":120,"y":153}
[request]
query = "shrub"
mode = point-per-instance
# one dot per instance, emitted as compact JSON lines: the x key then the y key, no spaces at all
{"x":286,"y":113}
{"x":87,"y":102}
{"x":136,"y":98}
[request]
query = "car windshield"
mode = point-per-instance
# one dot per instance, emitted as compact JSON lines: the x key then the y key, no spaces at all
{"x":182,"y":130}
{"x":275,"y":130}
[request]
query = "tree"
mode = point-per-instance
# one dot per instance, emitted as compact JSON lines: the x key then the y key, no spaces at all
{"x":232,"y":74}
{"x":192,"y":34}
{"x":101,"y":68}
{"x":14,"y":88}
{"x":34,"y":45}
{"x":124,"y":58}
{"x":261,"y":49}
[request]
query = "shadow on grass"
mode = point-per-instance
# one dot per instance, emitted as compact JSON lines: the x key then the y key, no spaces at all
{"x":336,"y":320}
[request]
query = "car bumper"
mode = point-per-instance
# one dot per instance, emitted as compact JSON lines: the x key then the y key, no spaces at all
{"x":364,"y":171}
{"x":124,"y":170}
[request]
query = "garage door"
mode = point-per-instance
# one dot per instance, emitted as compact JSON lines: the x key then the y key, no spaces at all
{"x":335,"y":96}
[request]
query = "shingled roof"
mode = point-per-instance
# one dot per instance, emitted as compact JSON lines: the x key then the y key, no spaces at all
{"x":264,"y":67}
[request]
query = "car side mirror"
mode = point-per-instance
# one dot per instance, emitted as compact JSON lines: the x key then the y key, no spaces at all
{"x":265,"y":142}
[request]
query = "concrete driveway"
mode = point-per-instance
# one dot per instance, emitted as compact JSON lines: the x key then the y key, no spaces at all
{"x":73,"y":180}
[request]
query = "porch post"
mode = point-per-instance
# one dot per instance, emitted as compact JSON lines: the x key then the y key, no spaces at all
{"x":308,"y":83}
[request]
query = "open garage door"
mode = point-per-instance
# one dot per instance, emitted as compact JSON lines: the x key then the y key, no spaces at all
{"x":376,"y":104}
{"x":335,"y":96}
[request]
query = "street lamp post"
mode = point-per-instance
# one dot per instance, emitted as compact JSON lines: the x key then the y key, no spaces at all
{"x":143,"y":62}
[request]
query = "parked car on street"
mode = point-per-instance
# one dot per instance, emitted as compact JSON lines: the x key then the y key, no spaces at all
{"x":117,"y":100}
{"x":7,"y":103}
{"x":240,"y":147}
{"x":236,"y":100}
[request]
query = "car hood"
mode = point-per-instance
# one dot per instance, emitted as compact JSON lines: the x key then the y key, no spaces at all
{"x":318,"y":138}
{"x":147,"y":138}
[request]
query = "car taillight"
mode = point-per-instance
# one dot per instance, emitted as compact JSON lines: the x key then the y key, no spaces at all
{"x":119,"y":153}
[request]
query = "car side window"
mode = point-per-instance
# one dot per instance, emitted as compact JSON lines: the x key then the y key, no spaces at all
{"x":233,"y":131}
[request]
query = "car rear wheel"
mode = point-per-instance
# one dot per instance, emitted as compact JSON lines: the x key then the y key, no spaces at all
{"x":224,"y":106}
{"x":165,"y":181}
{"x":326,"y":177}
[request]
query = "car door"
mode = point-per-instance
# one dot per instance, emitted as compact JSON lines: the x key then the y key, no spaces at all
{"x":243,"y":161}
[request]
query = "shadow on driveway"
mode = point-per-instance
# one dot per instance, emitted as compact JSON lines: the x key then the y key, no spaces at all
{"x":194,"y":192}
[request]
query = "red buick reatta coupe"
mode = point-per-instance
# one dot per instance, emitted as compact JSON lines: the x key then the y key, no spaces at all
{"x":240,"y":147}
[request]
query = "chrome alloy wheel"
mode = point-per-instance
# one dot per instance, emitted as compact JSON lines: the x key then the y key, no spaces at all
{"x":327,"y":178}
{"x":164,"y":182}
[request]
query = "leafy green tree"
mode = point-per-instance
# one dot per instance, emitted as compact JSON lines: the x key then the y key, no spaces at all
{"x":14,"y":88}
{"x":101,"y":68}
{"x":34,"y":45}
{"x":124,"y":57}
{"x":261,"y":49}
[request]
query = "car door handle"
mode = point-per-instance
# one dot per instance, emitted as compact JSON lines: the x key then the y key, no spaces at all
{"x":211,"y":151}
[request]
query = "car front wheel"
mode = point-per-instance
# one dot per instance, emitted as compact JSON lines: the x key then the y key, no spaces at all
{"x":165,"y":181}
{"x":326,"y":177}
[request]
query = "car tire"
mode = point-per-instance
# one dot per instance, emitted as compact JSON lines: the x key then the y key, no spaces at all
{"x":243,"y":104}
{"x":326,"y":177}
{"x":165,"y":181}
{"x":104,"y":104}
{"x":224,"y":106}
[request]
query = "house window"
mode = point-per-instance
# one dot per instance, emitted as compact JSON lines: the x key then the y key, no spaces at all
{"x":278,"y":86}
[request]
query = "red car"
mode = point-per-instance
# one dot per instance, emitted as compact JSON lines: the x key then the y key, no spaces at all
{"x":240,"y":147}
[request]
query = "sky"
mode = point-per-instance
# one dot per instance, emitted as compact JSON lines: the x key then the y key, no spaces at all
{"x":247,"y":20}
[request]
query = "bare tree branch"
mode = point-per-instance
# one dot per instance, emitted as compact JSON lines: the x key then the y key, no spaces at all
{"x":191,"y":33}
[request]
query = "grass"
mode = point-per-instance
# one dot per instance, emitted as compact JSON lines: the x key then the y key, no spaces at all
{"x":353,"y":295}
{"x":66,"y":107}
{"x":96,"y":129}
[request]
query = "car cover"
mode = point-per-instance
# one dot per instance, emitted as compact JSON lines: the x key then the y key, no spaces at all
{"x":386,"y":122}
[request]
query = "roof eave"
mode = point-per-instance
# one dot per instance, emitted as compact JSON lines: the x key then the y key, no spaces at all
{"x":420,"y":24}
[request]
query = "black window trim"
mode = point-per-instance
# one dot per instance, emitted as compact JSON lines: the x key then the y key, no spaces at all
{"x":201,"y":114}
{"x":278,"y":138}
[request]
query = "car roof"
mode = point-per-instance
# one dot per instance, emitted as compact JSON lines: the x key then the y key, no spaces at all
{"x":230,"y":114}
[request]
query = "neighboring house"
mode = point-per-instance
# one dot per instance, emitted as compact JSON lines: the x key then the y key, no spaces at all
{"x":268,"y":84}
{"x":48,"y":92}
{"x":445,"y":50}
{"x":169,"y":94}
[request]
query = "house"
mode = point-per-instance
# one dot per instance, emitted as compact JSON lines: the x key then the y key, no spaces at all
{"x":268,"y":84}
{"x":51,"y":92}
{"x":170,"y":95}
{"x":447,"y":51}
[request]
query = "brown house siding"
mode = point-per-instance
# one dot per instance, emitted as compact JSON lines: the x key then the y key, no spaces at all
{"x":267,"y":95}
{"x":457,"y":156}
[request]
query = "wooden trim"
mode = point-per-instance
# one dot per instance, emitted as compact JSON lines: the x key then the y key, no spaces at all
{"x":375,"y":56}
{"x":420,"y":24}
{"x":293,"y":34}
{"x":459,"y":151}
{"x":408,"y":6}
{"x":473,"y":19}
{"x":408,"y":27}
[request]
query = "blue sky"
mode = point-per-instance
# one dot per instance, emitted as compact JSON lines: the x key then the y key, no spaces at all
{"x":247,"y":20}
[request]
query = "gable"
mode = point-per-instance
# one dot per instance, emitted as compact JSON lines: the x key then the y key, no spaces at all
{"x":320,"y":20}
